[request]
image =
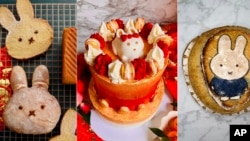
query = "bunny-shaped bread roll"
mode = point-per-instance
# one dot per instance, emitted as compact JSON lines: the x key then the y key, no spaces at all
{"x":31,"y":110}
{"x":28,"y":37}
{"x":68,"y":127}
{"x":229,"y":67}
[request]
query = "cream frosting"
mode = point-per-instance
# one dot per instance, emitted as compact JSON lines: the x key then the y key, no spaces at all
{"x":139,"y":23}
{"x":114,"y":71}
{"x":91,"y":53}
{"x":154,"y":33}
{"x":130,"y":27}
{"x":127,"y":50}
{"x":106,"y":33}
{"x":155,"y":57}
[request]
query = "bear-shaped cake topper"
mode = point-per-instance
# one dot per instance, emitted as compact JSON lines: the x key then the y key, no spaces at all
{"x":31,"y":110}
{"x":128,"y":46}
{"x":229,"y":67}
{"x":28,"y":37}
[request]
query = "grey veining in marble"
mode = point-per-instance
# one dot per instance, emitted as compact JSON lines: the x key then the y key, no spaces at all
{"x":91,"y":13}
{"x":195,"y":17}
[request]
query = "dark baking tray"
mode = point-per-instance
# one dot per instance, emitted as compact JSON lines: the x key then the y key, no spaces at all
{"x":59,"y":15}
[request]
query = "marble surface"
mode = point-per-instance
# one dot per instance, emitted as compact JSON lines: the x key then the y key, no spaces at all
{"x":195,"y":17}
{"x":91,"y":13}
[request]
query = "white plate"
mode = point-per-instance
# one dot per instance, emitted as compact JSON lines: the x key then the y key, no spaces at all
{"x":140,"y":132}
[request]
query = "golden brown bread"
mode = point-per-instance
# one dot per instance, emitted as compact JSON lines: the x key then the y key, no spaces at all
{"x":196,"y":65}
{"x":69,"y":69}
{"x":27,"y":37}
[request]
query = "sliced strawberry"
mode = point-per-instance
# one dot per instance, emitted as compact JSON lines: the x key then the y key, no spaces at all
{"x":171,"y":27}
{"x":164,"y":47}
{"x":171,"y":85}
{"x":140,"y":66}
{"x":173,"y":47}
{"x":101,"y":64}
{"x":120,"y":23}
{"x":98,"y":37}
{"x":146,"y":30}
{"x":84,"y":131}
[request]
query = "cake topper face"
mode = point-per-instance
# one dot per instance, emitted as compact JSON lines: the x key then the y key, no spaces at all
{"x":230,"y":63}
{"x":128,"y":46}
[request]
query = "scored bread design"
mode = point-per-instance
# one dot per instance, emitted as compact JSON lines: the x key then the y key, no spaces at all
{"x":69,"y":56}
{"x":68,"y":127}
{"x":216,"y":68}
{"x":27,"y":37}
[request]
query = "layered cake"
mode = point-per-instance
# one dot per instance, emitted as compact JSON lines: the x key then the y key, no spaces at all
{"x":127,"y":62}
{"x":216,"y":67}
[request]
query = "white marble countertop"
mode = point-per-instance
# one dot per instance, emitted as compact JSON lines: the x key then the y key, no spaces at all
{"x":195,"y":17}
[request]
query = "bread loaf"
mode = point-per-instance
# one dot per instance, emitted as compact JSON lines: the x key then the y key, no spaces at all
{"x":69,"y":56}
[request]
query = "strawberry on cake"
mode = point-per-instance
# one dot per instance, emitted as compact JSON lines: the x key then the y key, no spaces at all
{"x":127,"y":62}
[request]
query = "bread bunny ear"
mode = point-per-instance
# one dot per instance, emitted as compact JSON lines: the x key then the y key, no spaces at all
{"x":18,"y":78}
{"x":25,"y":9}
{"x":40,"y":77}
{"x":68,"y":124}
{"x":240,"y":44}
{"x":224,"y":43}
{"x":7,"y":19}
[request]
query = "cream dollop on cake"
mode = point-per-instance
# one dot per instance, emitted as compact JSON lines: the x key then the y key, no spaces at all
{"x":155,"y":57}
{"x":155,"y":33}
{"x":114,"y":71}
{"x":91,"y":54}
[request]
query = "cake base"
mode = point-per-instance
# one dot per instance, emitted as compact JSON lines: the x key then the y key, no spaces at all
{"x":129,"y":117}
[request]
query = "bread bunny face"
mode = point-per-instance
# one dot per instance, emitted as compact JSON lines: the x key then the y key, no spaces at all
{"x":29,"y":34}
{"x":31,"y":110}
{"x":230,"y":63}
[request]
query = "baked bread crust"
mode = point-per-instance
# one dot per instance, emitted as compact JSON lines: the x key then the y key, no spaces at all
{"x":28,"y":37}
{"x":69,"y":56}
{"x":31,"y":110}
{"x":196,"y":61}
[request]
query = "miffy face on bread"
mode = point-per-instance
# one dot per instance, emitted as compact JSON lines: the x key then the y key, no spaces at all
{"x":31,"y":110}
{"x":230,"y":63}
{"x":27,"y":37}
